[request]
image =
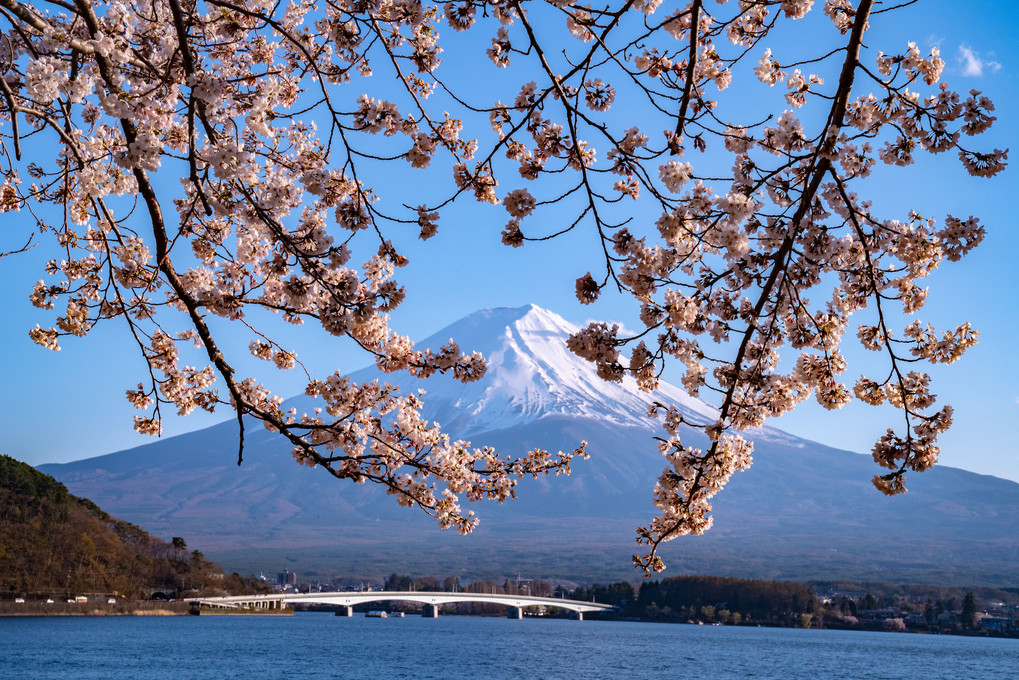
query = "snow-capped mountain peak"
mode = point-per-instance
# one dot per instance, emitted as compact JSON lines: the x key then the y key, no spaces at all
{"x":532,"y":375}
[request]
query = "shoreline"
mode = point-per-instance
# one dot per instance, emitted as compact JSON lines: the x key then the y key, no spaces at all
{"x":120,"y":608}
{"x":183,"y":608}
{"x":124,"y":608}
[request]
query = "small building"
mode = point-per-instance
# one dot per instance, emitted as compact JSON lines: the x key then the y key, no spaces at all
{"x":998,"y":624}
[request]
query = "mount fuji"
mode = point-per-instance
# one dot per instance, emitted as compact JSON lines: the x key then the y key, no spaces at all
{"x":532,"y":376}
{"x":802,"y":511}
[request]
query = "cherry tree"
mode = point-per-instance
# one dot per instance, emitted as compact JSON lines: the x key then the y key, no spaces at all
{"x":622,"y":120}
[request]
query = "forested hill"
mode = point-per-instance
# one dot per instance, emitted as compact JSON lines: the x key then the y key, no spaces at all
{"x":53,"y":544}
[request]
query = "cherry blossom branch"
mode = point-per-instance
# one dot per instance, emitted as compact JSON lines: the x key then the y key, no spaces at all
{"x":650,"y":561}
{"x":691,"y":66}
{"x":28,"y":16}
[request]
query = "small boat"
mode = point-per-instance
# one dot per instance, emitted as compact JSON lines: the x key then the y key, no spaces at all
{"x":377,"y":614}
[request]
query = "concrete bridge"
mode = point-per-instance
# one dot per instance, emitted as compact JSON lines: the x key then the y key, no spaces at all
{"x":345,"y":601}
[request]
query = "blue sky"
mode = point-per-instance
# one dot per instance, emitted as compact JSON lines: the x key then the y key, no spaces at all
{"x":69,"y":405}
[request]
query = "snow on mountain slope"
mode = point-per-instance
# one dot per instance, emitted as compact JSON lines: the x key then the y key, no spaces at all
{"x":531,"y":375}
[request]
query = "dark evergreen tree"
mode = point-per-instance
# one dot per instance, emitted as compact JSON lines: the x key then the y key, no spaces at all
{"x":969,"y":611}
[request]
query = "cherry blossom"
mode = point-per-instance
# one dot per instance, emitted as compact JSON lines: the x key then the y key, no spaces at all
{"x":213,"y":160}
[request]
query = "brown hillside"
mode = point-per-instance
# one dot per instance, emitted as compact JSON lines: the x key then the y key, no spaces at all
{"x":54,"y":544}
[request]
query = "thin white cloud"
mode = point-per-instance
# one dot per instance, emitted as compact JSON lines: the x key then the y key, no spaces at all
{"x":975,"y":66}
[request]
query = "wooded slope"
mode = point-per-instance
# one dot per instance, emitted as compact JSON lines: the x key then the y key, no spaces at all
{"x":54,"y":544}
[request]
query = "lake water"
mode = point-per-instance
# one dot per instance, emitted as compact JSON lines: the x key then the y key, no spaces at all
{"x":319,"y":646}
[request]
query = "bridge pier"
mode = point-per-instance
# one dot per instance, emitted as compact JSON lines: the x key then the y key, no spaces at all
{"x":430,"y":611}
{"x":344,"y":610}
{"x":579,"y":616}
{"x":515,"y":613}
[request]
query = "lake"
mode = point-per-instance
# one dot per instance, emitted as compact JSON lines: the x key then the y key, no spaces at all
{"x":319,"y":646}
